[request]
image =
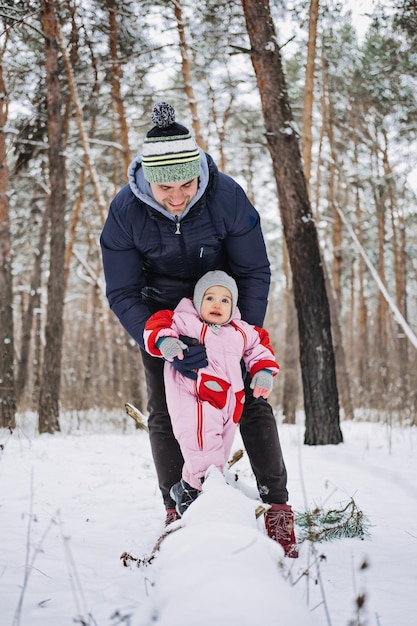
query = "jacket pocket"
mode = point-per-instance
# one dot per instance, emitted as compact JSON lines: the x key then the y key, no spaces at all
{"x":240,"y":402}
{"x":213,"y":390}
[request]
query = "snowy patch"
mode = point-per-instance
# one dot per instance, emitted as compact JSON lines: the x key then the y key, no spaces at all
{"x":219,"y":569}
{"x":73,"y":502}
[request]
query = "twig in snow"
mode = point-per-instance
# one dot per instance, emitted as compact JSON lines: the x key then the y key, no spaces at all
{"x":137,"y":415}
{"x":235,"y":458}
{"x":126,"y":558}
{"x":29,"y":562}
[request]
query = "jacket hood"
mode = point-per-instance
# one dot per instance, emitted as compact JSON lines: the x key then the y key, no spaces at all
{"x":142,"y":189}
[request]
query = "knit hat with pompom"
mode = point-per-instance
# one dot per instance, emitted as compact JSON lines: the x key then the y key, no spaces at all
{"x":169,"y":153}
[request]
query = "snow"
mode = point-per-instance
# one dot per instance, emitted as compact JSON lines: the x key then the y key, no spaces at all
{"x":73,"y":502}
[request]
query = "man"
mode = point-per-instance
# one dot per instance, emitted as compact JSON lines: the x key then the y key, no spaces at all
{"x":178,"y":218}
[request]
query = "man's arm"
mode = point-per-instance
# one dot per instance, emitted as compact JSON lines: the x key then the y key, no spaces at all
{"x":248,"y":260}
{"x":122,"y":264}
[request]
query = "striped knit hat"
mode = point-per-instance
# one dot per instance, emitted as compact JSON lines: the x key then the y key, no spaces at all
{"x":169,"y":153}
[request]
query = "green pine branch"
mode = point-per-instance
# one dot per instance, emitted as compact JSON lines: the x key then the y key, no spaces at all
{"x":327,"y":525}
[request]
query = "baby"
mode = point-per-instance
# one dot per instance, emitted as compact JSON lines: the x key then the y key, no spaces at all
{"x":205,"y":408}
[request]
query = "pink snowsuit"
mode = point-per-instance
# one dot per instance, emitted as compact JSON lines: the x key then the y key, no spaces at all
{"x":204,"y":413}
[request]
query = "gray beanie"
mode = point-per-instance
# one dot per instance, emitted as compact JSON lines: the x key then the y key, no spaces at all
{"x":216,"y":277}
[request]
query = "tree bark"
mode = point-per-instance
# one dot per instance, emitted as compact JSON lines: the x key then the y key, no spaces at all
{"x":399,"y":258}
{"x":361,"y":342}
{"x":186,"y":74}
{"x":379,"y":193}
{"x":334,"y":284}
{"x":291,"y":358}
{"x":337,"y":260}
{"x":7,"y":385}
{"x":79,"y":119}
{"x":116,"y":75}
{"x":308,"y":99}
{"x":33,"y":304}
{"x":51,"y":370}
{"x":321,"y":402}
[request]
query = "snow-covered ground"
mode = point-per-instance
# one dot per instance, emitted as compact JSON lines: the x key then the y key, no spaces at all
{"x":72,"y":503}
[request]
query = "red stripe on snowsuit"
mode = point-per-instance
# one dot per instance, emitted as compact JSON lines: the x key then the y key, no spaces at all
{"x":200,"y":439}
{"x":200,"y":415}
{"x":242,"y":332}
{"x":203,"y":333}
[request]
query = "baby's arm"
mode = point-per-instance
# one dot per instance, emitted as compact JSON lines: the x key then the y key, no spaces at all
{"x":260,"y":361}
{"x":170,"y":347}
{"x":158,"y":327}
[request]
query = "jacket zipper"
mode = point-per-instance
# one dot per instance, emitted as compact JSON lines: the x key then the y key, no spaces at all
{"x":182,"y":244}
{"x":201,"y":259}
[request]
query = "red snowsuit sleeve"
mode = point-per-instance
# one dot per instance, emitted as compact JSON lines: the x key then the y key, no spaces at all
{"x":259,"y":354}
{"x":158,"y":325}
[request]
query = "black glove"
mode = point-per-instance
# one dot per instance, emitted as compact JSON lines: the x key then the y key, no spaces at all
{"x":194,"y":358}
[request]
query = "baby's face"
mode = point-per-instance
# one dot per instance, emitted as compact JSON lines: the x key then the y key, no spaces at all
{"x":216,"y":306}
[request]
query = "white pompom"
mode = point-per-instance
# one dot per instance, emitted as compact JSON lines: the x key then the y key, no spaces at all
{"x":163,"y":114}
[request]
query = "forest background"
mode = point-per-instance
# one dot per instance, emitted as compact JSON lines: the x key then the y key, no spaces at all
{"x":353,"y":103}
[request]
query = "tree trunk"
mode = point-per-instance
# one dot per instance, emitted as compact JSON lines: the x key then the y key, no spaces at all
{"x":379,"y":192}
{"x":291,"y":362}
{"x":51,"y":370}
{"x":316,"y":350}
{"x":221,"y":125}
{"x":186,"y":75}
{"x":75,"y":216}
{"x":33,"y":304}
{"x":361,"y":342}
{"x":291,"y":357}
{"x":116,"y":75}
{"x":308,"y":99}
{"x":343,"y":382}
{"x":337,"y":260}
{"x":334,"y":287}
{"x":307,"y":120}
{"x":7,"y":386}
{"x":399,"y":258}
{"x":98,"y":196}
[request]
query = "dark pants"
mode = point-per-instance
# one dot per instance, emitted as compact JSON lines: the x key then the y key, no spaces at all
{"x":257,"y":426}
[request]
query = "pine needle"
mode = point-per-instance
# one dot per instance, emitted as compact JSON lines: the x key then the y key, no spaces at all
{"x":320,"y":525}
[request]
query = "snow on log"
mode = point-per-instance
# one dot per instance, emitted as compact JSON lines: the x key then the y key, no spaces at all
{"x":220,"y":569}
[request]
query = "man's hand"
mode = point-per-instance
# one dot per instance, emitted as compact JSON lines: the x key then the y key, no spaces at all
{"x":194,"y":357}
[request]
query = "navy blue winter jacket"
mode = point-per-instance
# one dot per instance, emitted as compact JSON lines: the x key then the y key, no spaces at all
{"x":152,"y":260}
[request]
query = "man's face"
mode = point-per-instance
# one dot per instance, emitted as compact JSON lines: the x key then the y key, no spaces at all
{"x":175,"y":197}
